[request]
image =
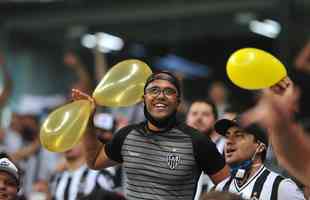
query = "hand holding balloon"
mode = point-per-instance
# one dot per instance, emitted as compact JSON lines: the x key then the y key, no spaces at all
{"x":79,"y":95}
{"x":121,"y":86}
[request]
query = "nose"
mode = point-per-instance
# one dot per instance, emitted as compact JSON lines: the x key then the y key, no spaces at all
{"x":229,"y":139}
{"x":198,"y":118}
{"x":161,"y":95}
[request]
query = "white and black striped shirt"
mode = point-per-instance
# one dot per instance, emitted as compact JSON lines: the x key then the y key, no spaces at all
{"x":71,"y":185}
{"x":263,"y":185}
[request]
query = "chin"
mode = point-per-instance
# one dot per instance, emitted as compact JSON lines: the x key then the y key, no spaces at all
{"x":230,"y":161}
{"x":160,"y":116}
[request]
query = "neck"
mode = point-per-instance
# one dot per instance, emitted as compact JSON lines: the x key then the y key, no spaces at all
{"x":250,"y":173}
{"x":214,"y":136}
{"x":154,"y":128}
{"x":159,"y":124}
{"x":75,"y":164}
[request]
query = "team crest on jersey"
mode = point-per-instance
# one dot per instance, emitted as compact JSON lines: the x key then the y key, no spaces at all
{"x":173,"y":160}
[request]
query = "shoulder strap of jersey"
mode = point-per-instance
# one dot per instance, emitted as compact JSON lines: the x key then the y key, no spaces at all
{"x":259,"y":183}
{"x":227,"y":184}
{"x":275,"y":187}
{"x":82,"y":183}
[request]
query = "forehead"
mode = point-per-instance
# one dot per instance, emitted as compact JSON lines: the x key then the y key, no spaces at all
{"x":200,"y":107}
{"x":236,"y":129}
{"x":6,"y":176}
{"x":161,"y":84}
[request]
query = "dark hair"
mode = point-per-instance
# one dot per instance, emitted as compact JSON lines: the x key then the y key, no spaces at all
{"x":210,"y":103}
{"x":164,"y":75}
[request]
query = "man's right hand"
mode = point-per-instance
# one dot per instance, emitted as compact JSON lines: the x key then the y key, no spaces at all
{"x":79,"y":95}
{"x":277,"y":104}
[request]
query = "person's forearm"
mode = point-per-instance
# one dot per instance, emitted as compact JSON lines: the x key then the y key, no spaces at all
{"x":96,"y":157}
{"x":302,"y":61}
{"x":292,"y":149}
{"x":92,"y":147}
{"x":26,"y":152}
{"x":83,"y":76}
{"x":100,"y":64}
{"x":7,"y":86}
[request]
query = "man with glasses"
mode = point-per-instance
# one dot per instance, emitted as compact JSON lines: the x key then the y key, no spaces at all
{"x":162,"y":157}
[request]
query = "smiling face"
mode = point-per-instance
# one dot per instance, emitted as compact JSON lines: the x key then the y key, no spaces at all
{"x":240,"y":146}
{"x":8,"y":186}
{"x":200,"y":116}
{"x":161,"y":99}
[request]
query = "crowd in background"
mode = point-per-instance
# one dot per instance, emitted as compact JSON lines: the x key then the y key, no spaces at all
{"x":48,"y":175}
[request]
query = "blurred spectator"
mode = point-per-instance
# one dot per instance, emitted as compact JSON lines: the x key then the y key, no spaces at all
{"x":216,"y":195}
{"x":36,"y":162}
{"x":218,"y":94}
{"x":77,"y":181}
{"x":302,"y":61}
{"x":230,"y":113}
{"x":9,"y":179}
{"x":6,"y":90}
{"x":84,"y":82}
{"x":7,"y":82}
{"x":301,"y":77}
{"x":40,"y":191}
{"x":306,"y":190}
{"x":202,"y":115}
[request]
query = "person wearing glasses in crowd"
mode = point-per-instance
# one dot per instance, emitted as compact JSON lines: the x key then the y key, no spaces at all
{"x":162,"y":157}
{"x":202,"y":115}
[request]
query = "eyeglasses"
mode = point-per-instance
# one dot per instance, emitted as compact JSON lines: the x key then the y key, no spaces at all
{"x":155,"y":91}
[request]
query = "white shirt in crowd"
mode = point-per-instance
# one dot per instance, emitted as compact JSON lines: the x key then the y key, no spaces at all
{"x":73,"y":183}
{"x":285,"y":190}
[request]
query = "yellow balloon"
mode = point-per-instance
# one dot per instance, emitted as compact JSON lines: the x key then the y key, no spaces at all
{"x":65,"y":126}
{"x":123,"y":84}
{"x":251,"y":68}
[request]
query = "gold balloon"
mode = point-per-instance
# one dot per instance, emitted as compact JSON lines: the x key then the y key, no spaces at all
{"x":251,"y":68}
{"x":123,"y":84}
{"x":65,"y":126}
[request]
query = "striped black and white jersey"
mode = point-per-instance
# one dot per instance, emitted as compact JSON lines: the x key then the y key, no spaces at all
{"x":263,"y":185}
{"x":163,"y":165}
{"x":73,"y":185}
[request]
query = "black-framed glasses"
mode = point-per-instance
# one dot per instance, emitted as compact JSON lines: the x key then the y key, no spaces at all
{"x":155,"y":91}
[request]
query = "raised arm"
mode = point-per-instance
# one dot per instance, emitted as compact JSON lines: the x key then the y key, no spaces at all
{"x":94,"y":150}
{"x":7,"y":83}
{"x":84,"y":79}
{"x":291,"y":145}
{"x":302,"y":61}
{"x":101,"y":66}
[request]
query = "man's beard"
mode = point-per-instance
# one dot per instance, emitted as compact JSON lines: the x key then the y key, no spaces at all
{"x":164,"y":123}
